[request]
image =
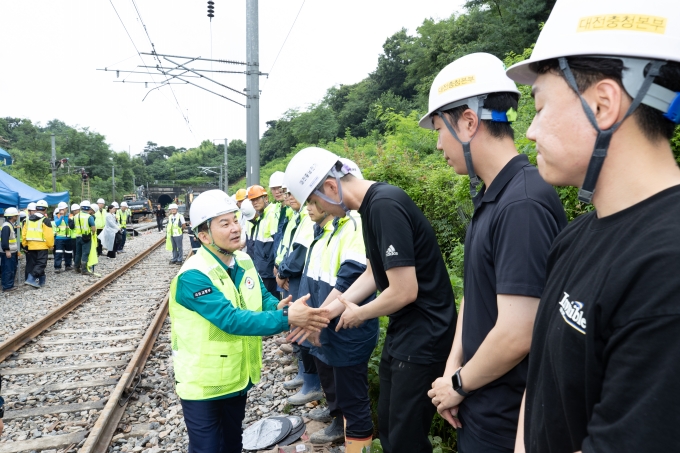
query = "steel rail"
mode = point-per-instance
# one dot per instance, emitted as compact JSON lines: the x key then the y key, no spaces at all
{"x":19,"y":339}
{"x":104,"y":429}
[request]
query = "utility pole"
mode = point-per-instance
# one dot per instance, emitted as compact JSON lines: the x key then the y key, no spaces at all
{"x":113,"y":182}
{"x":54,"y":164}
{"x":226,"y":173}
{"x":253,"y":93}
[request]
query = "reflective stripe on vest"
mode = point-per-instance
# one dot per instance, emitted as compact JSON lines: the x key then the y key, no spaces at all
{"x":345,"y":243}
{"x":175,"y":228}
{"x":62,"y":229}
{"x":34,"y":231}
{"x":208,"y":361}
{"x":82,"y":225}
{"x":99,"y":220}
{"x":315,"y":252}
{"x":122,"y":217}
{"x":13,"y":247}
{"x":267,"y":226}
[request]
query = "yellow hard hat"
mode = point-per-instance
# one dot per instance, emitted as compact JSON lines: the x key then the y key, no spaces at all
{"x":241,"y":194}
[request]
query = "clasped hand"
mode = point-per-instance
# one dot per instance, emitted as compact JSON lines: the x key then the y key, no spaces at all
{"x":302,"y":315}
{"x":446,"y":400}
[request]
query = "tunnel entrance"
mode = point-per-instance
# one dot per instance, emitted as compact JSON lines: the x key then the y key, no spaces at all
{"x":164,"y":200}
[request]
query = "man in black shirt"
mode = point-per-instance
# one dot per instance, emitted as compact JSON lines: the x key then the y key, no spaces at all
{"x":517,"y":216}
{"x":405,"y":264}
{"x":160,"y":215}
{"x":604,"y":359}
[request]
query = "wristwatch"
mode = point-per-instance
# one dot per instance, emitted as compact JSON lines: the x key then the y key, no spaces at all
{"x":2,"y":407}
{"x":458,"y":384}
{"x":285,"y":311}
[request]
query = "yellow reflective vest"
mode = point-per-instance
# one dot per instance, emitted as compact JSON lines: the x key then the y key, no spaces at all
{"x":100,"y":219}
{"x":208,"y":361}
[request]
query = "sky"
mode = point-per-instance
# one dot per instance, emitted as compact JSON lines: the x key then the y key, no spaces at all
{"x":52,"y":51}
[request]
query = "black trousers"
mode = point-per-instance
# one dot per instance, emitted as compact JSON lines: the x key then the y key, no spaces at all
{"x":159,"y":223}
{"x":346,"y":390}
{"x":405,"y":411}
{"x":270,"y":284}
{"x":99,"y":243}
{"x":36,"y":261}
{"x":215,"y":426}
{"x":469,"y":442}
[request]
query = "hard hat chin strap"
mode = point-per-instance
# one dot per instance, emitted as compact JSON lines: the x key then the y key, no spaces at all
{"x":474,"y":179}
{"x":585,"y":193}
{"x":212,"y":242}
{"x":327,"y":199}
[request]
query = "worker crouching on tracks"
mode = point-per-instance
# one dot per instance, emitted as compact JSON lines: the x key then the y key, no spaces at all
{"x":10,"y":250}
{"x":219,"y":309}
{"x":37,"y":238}
{"x":175,"y":235}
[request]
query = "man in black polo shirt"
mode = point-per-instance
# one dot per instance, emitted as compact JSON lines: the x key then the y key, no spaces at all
{"x":406,"y":265}
{"x":517,"y":216}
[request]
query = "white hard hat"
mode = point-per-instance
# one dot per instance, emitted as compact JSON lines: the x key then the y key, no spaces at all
{"x":101,"y":200}
{"x":31,"y":206}
{"x":123,"y":204}
{"x":95,"y":207}
{"x":115,"y":204}
{"x":461,"y":81}
{"x":276,"y":179}
{"x":41,"y":204}
{"x":172,"y":205}
{"x":351,"y":167}
{"x":85,"y":204}
{"x":10,"y":212}
{"x":210,"y":204}
{"x":62,"y":205}
{"x":75,"y":207}
{"x":625,"y":28}
{"x":306,"y":170}
{"x":247,"y":209}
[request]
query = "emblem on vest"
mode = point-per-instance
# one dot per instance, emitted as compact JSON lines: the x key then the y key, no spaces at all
{"x":202,"y":292}
{"x":573,"y":314}
{"x":250,"y":284}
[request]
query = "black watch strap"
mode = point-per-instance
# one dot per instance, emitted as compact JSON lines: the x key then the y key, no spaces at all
{"x":285,"y":311}
{"x":458,"y":384}
{"x":2,"y":407}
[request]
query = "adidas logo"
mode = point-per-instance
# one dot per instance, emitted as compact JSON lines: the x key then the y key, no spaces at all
{"x":390,"y":251}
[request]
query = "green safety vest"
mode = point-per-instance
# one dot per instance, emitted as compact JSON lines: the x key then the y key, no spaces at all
{"x":62,"y":230}
{"x":122,"y":217}
{"x":267,"y":225}
{"x":99,"y":220}
{"x":82,"y":225}
{"x":345,"y":243}
{"x":299,"y":229}
{"x":34,"y":230}
{"x":13,"y":247}
{"x":208,"y":361}
{"x":72,"y":232}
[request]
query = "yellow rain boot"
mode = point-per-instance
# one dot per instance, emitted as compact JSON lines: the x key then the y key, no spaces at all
{"x":353,"y":445}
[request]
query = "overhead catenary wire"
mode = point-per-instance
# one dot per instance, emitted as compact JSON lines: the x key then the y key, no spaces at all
{"x":153,"y":48}
{"x":286,"y":39}
{"x":142,"y":58}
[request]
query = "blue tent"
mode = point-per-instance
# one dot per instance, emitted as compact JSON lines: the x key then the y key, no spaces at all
{"x":5,"y":157}
{"x":15,"y":193}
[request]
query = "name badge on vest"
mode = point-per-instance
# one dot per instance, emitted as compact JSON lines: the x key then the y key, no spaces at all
{"x":202,"y":292}
{"x":250,"y":284}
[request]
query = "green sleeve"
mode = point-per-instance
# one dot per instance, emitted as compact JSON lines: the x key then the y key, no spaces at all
{"x":269,"y":302}
{"x":217,"y":309}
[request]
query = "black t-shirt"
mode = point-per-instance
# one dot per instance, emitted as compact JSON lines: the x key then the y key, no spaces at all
{"x":506,"y":247}
{"x":397,"y":234}
{"x":605,"y":356}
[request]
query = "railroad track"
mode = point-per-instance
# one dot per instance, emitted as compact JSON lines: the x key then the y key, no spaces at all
{"x":67,"y":377}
